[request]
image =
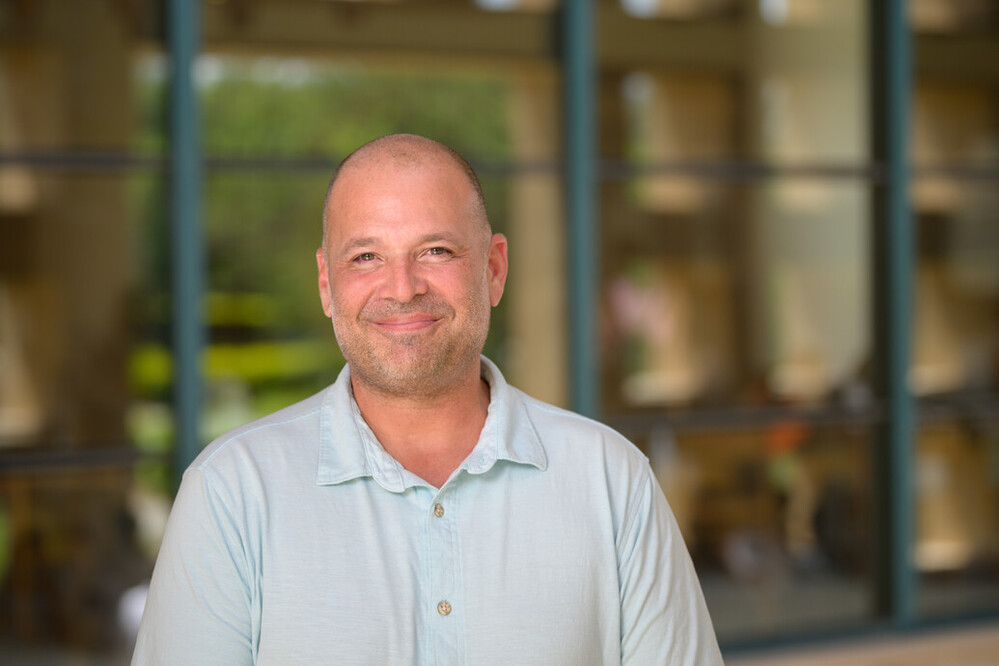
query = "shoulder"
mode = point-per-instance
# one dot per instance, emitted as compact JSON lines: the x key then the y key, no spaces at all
{"x":563,"y":432}
{"x":295,"y":425}
{"x":591,"y":468}
{"x":238,"y":482}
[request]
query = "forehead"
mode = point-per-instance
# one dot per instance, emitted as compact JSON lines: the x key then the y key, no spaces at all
{"x":398,"y":192}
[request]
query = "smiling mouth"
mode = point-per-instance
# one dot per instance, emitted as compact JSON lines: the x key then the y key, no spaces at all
{"x":405,"y":324}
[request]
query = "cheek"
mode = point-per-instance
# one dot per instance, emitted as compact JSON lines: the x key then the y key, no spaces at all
{"x":346,"y":295}
{"x":460,"y":290}
{"x":340,"y":306}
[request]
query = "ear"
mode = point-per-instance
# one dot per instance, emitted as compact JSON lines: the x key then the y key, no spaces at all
{"x":498,"y":266}
{"x":325,"y":295}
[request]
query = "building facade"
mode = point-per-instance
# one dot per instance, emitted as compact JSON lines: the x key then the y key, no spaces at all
{"x":759,"y":237}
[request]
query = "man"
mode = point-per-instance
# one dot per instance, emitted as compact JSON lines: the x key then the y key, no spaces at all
{"x":420,"y":510}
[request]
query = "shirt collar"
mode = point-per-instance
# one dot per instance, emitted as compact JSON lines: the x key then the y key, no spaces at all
{"x":349,"y":450}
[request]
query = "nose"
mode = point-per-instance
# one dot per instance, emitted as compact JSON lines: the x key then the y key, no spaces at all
{"x":404,"y":281}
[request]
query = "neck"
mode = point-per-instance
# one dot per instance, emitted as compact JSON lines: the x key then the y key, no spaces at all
{"x":429,"y":436}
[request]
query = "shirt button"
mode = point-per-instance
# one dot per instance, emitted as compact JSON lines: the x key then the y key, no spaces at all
{"x":444,"y":608}
{"x":438,"y":510}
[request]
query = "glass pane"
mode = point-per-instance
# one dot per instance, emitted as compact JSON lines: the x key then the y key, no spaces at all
{"x":83,"y":487}
{"x":678,"y":9}
{"x":957,"y":504}
{"x":71,"y":313}
{"x":956,"y":315}
{"x":76,"y":397}
{"x":954,"y":125}
{"x":942,"y":17}
{"x":76,"y":547}
{"x":777,"y":520}
{"x":67,"y":73}
{"x":956,"y":326}
{"x":735,"y":210}
{"x":955,"y":364}
{"x":748,"y":296}
{"x":781,"y":82}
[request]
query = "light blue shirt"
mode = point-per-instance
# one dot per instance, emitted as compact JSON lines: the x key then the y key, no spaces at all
{"x":297,"y":539}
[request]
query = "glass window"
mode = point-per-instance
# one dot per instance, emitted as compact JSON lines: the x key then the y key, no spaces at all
{"x":735,"y":191}
{"x":776,"y":517}
{"x":84,"y":490}
{"x":955,"y":366}
{"x":957,"y":492}
{"x":942,"y":17}
{"x":735,"y":208}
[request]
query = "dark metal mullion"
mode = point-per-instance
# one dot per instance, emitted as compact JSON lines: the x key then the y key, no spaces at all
{"x":893,"y":260}
{"x":187,"y":244}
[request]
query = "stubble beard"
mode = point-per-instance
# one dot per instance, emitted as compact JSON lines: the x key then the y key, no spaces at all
{"x":420,"y":364}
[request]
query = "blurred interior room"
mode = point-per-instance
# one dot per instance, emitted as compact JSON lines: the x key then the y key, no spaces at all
{"x":758,"y":237}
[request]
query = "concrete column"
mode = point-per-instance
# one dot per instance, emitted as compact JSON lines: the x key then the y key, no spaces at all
{"x":536,"y":287}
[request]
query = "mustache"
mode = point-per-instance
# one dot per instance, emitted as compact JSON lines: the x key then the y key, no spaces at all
{"x":421,"y":303}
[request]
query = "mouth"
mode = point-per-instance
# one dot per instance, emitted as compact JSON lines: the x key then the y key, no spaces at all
{"x":409,"y":323}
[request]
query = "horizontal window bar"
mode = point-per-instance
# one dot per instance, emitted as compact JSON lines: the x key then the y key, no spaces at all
{"x":980,"y":406}
{"x":609,"y":169}
{"x":740,"y":170}
{"x":744,"y":418}
{"x":21,"y":461}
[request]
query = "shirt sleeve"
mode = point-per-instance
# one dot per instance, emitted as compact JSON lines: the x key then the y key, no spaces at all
{"x":664,"y":619}
{"x":199,"y":606}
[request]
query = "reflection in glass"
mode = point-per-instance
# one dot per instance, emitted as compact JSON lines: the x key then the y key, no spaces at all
{"x":75,"y":548}
{"x":957,"y":504}
{"x":735,"y":210}
{"x":955,"y":365}
{"x":79,"y":522}
{"x":952,"y":16}
{"x":722,"y":293}
{"x":79,"y":517}
{"x":676,"y":9}
{"x":777,"y":521}
{"x":720,"y":307}
{"x":955,"y":135}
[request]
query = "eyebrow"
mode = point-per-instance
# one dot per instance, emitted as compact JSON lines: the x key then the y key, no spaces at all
{"x":433,"y":238}
{"x":358,"y":243}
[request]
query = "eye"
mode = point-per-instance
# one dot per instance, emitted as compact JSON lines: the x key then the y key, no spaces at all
{"x":438,"y":251}
{"x":364,"y":257}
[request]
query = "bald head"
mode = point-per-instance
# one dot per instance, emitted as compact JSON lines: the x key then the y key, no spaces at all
{"x":411,"y":152}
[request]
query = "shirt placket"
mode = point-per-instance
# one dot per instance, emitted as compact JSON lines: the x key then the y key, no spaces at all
{"x":445,"y":594}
